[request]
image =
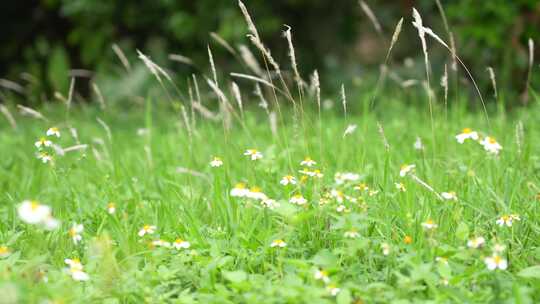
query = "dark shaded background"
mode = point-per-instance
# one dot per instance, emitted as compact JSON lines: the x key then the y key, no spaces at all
{"x":44,"y":41}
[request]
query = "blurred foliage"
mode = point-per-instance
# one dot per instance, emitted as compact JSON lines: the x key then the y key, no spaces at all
{"x":45,"y":40}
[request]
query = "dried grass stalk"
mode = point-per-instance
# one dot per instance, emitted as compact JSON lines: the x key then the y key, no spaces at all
{"x":120,"y":54}
{"x":7,"y":114}
{"x":367,"y":10}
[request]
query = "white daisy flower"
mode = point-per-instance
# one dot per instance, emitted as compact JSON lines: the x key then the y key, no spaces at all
{"x":216,"y":162}
{"x":181,"y":244}
{"x":385,"y":248}
{"x":322,"y":275}
{"x":111,"y":208}
{"x":466,"y":134}
{"x":256,"y":193}
{"x":253,"y":154}
{"x":51,"y":223}
{"x":43,"y":142}
{"x":429,"y":224}
{"x":418,"y":145}
{"x":361,"y":187}
{"x":333,"y":290}
{"x":278,"y":243}
{"x":288,"y":179}
{"x":161,"y":243}
{"x":449,"y":196}
{"x":496,"y":261}
{"x":298,"y":199}
{"x":32,"y":212}
{"x":349,"y":130}
{"x":54,"y":131}
{"x":406,"y":169}
{"x":508,"y":220}
{"x":476,"y":242}
{"x":76,"y":270}
{"x":351,"y":234}
{"x":75,"y":232}
{"x":342,"y":208}
{"x":337,"y":195}
{"x":341,"y":178}
{"x":308,"y":162}
{"x":498,"y":248}
{"x":147,"y":229}
{"x":45,"y":157}
{"x":491,"y":145}
{"x":239,"y":190}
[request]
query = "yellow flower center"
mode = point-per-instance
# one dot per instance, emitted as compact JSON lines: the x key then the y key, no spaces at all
{"x":72,"y":232}
{"x":467,"y":131}
{"x":179,"y":241}
{"x":497,"y":259}
{"x":34,"y":205}
{"x":407,"y":239}
{"x":492,"y":140}
{"x":255,"y":189}
{"x":240,"y":186}
{"x":4,"y":250}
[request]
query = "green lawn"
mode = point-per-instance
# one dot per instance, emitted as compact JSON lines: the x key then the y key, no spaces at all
{"x":356,"y":238}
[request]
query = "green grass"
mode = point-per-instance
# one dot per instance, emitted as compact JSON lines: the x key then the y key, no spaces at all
{"x":230,"y":259}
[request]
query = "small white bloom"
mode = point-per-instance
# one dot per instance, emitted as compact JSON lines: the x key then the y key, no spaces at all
{"x":147,"y":229}
{"x":385,"y":248}
{"x":498,"y":248}
{"x":53,"y":132}
{"x":429,"y":224}
{"x":341,"y":178}
{"x":51,"y":223}
{"x":322,"y":275}
{"x":111,"y":208}
{"x":76,"y":270}
{"x":508,"y":220}
{"x":466,"y":134}
{"x":476,"y":242}
{"x":308,"y":162}
{"x":161,"y":243}
{"x":496,"y":261}
{"x":43,"y":142}
{"x":352,"y":234}
{"x":449,"y":196}
{"x":79,"y":275}
{"x":298,"y":199}
{"x":442,"y":260}
{"x":406,"y":169}
{"x":239,"y":190}
{"x":256,"y":193}
{"x":181,"y":244}
{"x":216,"y":162}
{"x":75,"y":232}
{"x":418,"y":145}
{"x":349,"y":130}
{"x":333,"y":290}
{"x":278,"y":243}
{"x":253,"y":154}
{"x":32,"y":212}
{"x":45,"y":157}
{"x":342,"y":208}
{"x":288,"y":179}
{"x":491,"y":145}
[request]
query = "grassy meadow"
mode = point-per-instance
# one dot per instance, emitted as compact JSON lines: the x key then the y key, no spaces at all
{"x":362,"y":233}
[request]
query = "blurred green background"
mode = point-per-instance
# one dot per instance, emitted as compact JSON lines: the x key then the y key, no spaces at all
{"x":45,"y":42}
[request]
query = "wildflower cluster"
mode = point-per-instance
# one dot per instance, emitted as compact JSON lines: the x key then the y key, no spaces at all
{"x":489,"y":143}
{"x":45,"y":145}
